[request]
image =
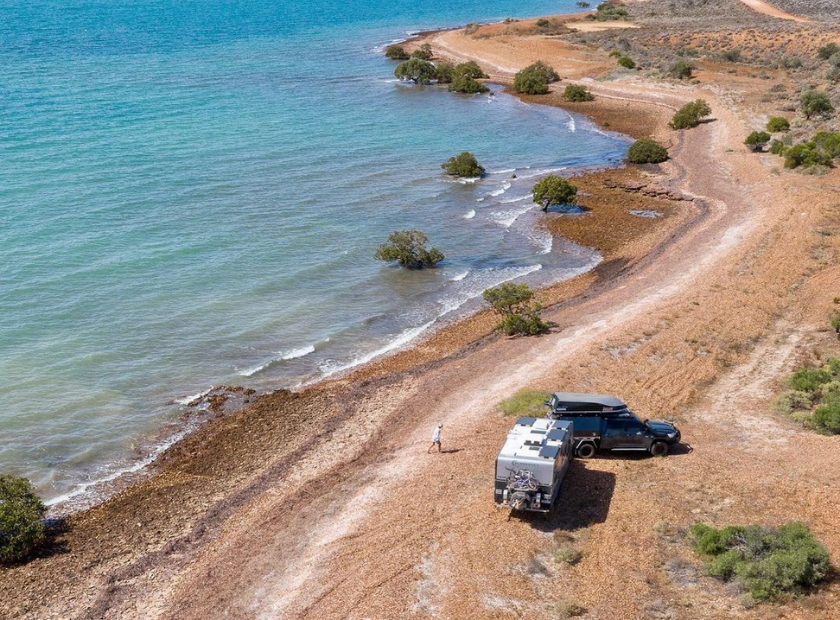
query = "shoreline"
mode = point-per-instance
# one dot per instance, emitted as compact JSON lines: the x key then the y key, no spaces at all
{"x":691,"y":315}
{"x":464,"y":331}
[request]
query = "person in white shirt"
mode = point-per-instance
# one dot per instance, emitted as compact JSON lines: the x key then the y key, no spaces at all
{"x":435,"y":438}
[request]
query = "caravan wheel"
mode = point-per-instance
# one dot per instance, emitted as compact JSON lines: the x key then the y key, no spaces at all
{"x":586,"y":450}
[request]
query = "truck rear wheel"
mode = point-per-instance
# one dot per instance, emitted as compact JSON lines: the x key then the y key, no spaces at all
{"x":659,"y":448}
{"x":586,"y":450}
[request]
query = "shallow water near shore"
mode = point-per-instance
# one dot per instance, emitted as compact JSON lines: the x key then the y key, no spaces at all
{"x":192,"y":195}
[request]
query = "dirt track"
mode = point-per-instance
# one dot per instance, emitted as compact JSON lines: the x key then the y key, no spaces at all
{"x":405,"y":533}
{"x":367,"y":525}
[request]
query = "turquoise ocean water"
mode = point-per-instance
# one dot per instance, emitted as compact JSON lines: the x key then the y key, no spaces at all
{"x":191,"y":192}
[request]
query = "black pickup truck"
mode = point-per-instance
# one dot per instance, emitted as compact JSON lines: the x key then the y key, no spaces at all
{"x":605,"y":423}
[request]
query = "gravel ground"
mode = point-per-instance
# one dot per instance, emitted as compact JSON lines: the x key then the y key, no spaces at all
{"x":325,"y":504}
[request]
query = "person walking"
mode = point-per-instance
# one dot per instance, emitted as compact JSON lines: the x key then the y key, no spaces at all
{"x":435,"y":439}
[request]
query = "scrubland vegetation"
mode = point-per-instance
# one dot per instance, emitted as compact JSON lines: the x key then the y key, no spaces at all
{"x":534,"y":79}
{"x":520,"y":315}
{"x":21,"y":514}
{"x":646,"y":151}
{"x":769,"y":563}
{"x":814,"y":397}
{"x":408,"y":249}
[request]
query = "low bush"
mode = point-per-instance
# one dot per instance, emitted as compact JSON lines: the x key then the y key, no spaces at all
{"x":609,"y":11}
{"x":564,"y":608}
{"x":777,"y":124}
{"x":682,"y":70}
{"x":815,"y":103}
{"x":827,"y":51}
{"x":554,"y":190}
{"x":519,"y":314}
{"x":827,"y":417}
{"x":463,"y":165}
{"x":768,"y":563}
{"x":805,"y":155}
{"x":444,"y":73}
{"x":814,"y":397}
{"x":777,"y":147}
{"x":574,"y":92}
{"x":396,"y":52}
{"x":690,"y":115}
{"x":757,"y":140}
{"x":646,"y":151}
{"x":21,"y":512}
{"x":424,"y":52}
{"x":416,"y":70}
{"x":534,"y":79}
{"x":467,"y":85}
{"x":792,"y":62}
{"x":627,"y":62}
{"x":616,"y":54}
{"x":470,"y":69}
{"x":567,"y":553}
{"x":408,"y":248}
{"x":525,"y":402}
{"x":733,"y":55}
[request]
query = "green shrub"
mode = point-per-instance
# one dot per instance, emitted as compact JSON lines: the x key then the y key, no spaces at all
{"x":834,"y":60}
{"x":21,"y":512}
{"x":777,"y":147}
{"x":792,"y":401}
{"x":815,"y":103}
{"x":835,"y":322}
{"x":582,"y":5}
{"x":525,"y":402}
{"x":534,"y":79}
{"x":554,"y":190}
{"x":467,"y":85}
{"x":567,"y":553}
{"x":827,"y":417}
{"x":408,"y":248}
{"x":690,"y":115}
{"x":444,"y":73}
{"x":423,"y":53}
{"x":609,"y":11}
{"x":646,"y":151}
{"x":616,"y":54}
{"x":733,"y":55}
{"x":463,"y":165}
{"x":828,"y":143}
{"x":682,"y":70}
{"x":827,"y":51}
{"x":757,"y":140}
{"x":543,"y":23}
{"x":470,"y":69}
{"x":778,"y":124}
{"x":519,"y":316}
{"x":574,"y":92}
{"x":627,"y":62}
{"x":396,"y":52}
{"x":416,"y":70}
{"x":769,"y":563}
{"x":809,"y":380}
{"x":806,"y":155}
{"x":792,"y":62}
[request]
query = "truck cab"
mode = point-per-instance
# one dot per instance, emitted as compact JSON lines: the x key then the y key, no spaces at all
{"x":604,"y":422}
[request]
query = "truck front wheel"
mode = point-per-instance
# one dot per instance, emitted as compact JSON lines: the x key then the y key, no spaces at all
{"x":586,"y":450}
{"x":659,"y":448}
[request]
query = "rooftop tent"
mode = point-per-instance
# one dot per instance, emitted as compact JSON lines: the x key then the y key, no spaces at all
{"x":572,"y":402}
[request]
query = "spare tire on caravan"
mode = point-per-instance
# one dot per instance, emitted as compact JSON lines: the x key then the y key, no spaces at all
{"x":532,"y":462}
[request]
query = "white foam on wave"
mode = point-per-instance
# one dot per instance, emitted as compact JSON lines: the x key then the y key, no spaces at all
{"x":505,"y":171}
{"x":513,"y":200}
{"x":83,"y":487}
{"x":186,"y":400}
{"x":498,"y":192}
{"x":283,"y":357}
{"x":469,"y":215}
{"x":542,"y":239}
{"x":328,"y":369}
{"x":506,"y":218}
{"x":542,"y":172}
{"x":460,"y":276}
{"x":467,"y":180}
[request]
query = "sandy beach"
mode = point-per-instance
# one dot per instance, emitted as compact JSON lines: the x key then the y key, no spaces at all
{"x":324,"y":504}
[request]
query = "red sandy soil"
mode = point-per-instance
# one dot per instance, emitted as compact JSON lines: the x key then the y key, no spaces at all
{"x":326,"y":505}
